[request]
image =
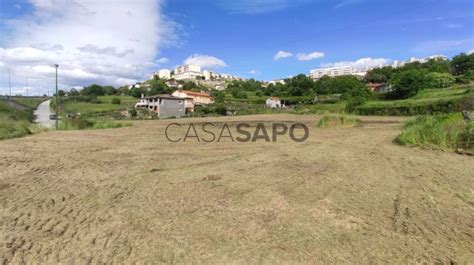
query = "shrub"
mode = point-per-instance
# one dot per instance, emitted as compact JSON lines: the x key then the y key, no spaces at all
{"x":12,"y":129}
{"x":407,"y":83}
{"x":445,"y":132}
{"x":84,"y":124}
{"x":96,"y":101}
{"x":441,"y":80}
{"x":356,"y":97}
{"x":221,"y":110}
{"x":133,"y":113}
{"x":116,"y":101}
{"x":75,"y":124}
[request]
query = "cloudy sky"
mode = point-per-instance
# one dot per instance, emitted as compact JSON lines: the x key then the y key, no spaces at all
{"x":118,"y":42}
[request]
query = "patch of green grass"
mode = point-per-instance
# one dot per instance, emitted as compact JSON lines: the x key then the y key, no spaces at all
{"x":94,"y":109}
{"x":320,"y":108}
{"x":15,"y":123}
{"x":429,"y":101}
{"x":89,"y":124}
{"x":343,"y":120}
{"x":31,"y":102}
{"x":445,"y":132}
{"x":125,"y":100}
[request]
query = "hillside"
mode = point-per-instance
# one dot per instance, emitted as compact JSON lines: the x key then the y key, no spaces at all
{"x":15,"y":122}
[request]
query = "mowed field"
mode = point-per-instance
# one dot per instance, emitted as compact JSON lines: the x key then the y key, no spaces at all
{"x":346,"y":195}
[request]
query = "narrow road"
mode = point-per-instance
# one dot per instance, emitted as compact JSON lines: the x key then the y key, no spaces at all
{"x":42,"y":115}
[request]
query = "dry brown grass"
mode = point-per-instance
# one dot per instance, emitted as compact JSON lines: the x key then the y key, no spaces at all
{"x":127,"y":195}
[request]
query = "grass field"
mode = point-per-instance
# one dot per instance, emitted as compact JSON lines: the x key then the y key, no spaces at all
{"x":127,"y":195}
{"x":105,"y":107}
{"x":15,"y":122}
{"x":31,"y":102}
{"x":425,"y":97}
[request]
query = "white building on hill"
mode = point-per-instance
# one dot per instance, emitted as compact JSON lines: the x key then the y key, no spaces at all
{"x":163,"y":74}
{"x":187,"y":72}
{"x":332,"y":72}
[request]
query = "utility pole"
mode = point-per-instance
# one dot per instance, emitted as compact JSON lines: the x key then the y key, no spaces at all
{"x":9,"y":84}
{"x":57,"y":97}
{"x":27,"y":87}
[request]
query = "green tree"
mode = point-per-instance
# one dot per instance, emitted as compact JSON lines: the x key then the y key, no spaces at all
{"x":219,"y":96}
{"x":73,"y":92}
{"x":93,"y":90}
{"x":300,"y":85}
{"x":158,"y":86}
{"x":407,"y":83}
{"x":379,"y":75}
{"x":109,"y":90}
{"x":438,"y":65}
{"x":137,"y":92}
{"x":338,"y":84}
{"x":357,"y":96}
{"x":462,"y":63}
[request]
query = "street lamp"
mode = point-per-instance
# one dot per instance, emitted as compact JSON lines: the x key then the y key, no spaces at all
{"x":57,"y":97}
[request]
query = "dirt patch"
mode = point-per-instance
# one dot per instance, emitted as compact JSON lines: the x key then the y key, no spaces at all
{"x":346,"y":195}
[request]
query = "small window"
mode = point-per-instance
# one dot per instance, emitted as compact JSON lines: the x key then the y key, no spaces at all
{"x":180,"y":102}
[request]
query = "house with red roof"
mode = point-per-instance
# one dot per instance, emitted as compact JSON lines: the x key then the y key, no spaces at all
{"x":198,"y":98}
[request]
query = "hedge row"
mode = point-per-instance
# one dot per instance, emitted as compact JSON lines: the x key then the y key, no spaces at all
{"x":442,"y":106}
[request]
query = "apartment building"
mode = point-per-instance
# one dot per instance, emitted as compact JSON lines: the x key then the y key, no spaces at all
{"x":164,"y":74}
{"x":332,"y":72}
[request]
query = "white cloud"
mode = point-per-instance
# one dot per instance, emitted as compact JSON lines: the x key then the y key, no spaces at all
{"x":310,"y":56}
{"x":92,"y":41}
{"x":282,"y":54}
{"x":361,"y":64}
{"x":162,"y":60}
{"x":253,"y":72}
{"x":205,"y":61}
{"x":470,"y":51}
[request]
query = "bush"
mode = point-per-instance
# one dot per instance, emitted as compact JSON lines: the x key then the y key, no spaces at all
{"x":84,"y":124}
{"x":356,"y":97}
{"x":441,"y":80}
{"x":407,"y":83}
{"x":445,"y":132}
{"x":116,"y":101}
{"x":96,"y":101}
{"x":12,"y":129}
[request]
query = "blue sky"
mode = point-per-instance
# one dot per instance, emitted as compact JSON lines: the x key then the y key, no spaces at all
{"x":119,"y":42}
{"x":248,"y":36}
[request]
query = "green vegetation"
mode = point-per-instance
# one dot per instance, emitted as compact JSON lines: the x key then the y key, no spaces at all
{"x":343,"y":120}
{"x":14,"y":122}
{"x":100,"y":106}
{"x":429,"y":101}
{"x":86,"y":124}
{"x":445,"y":132}
{"x":30,"y":102}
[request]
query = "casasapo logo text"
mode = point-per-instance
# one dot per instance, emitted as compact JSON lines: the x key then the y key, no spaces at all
{"x":236,"y":132}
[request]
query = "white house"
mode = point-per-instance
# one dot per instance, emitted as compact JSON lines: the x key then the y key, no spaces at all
{"x":274,"y":103}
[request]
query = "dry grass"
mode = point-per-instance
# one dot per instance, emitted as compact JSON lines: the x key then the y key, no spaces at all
{"x":127,"y":195}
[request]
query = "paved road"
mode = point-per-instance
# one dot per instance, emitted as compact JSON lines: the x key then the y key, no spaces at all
{"x":42,"y":115}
